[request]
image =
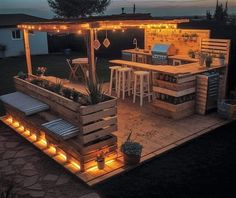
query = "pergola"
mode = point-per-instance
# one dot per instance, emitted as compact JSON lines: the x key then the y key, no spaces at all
{"x":88,"y":26}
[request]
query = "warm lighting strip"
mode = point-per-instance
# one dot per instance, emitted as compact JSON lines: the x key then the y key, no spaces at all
{"x":50,"y":149}
{"x":76,"y":165}
{"x":95,"y":168}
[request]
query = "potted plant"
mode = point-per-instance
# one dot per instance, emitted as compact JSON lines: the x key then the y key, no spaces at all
{"x":22,"y":75}
{"x":222,"y":59}
{"x":3,"y":48}
{"x":41,"y":71}
{"x":208,"y":60}
{"x":100,"y":159}
{"x":191,"y":53}
{"x":131,"y":151}
{"x":202,"y":58}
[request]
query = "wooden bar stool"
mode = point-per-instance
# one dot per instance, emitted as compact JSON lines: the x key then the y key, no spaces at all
{"x":124,"y":82}
{"x":142,"y":86}
{"x":114,"y":77}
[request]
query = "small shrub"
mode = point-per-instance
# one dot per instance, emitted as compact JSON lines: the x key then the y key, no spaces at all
{"x":66,"y":92}
{"x":22,"y":75}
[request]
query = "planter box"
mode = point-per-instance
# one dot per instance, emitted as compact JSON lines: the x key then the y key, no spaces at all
{"x":227,"y":109}
{"x":94,"y":121}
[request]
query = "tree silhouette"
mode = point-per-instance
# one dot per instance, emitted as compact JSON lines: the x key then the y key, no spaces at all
{"x":208,"y":15}
{"x":78,"y":8}
{"x":221,"y":14}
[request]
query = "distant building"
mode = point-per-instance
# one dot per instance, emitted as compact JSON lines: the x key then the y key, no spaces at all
{"x":11,"y":38}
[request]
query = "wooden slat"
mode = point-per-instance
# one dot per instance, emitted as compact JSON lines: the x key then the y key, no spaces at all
{"x":172,"y":107}
{"x":97,"y":134}
{"x":98,"y":115}
{"x":84,"y":110}
{"x":174,"y":93}
{"x":174,"y":86}
{"x":34,"y":89}
{"x":99,"y":125}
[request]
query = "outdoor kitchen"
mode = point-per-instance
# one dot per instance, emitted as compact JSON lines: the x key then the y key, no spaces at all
{"x":156,"y":94}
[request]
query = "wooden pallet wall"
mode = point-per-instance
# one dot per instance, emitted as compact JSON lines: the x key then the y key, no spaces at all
{"x":175,"y":36}
{"x":216,"y":47}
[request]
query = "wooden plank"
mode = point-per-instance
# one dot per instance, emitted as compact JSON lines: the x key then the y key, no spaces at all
{"x":172,"y":107}
{"x":174,"y":115}
{"x":174,"y":93}
{"x":174,"y":86}
{"x":207,"y":43}
{"x":186,"y":79}
{"x":99,"y":125}
{"x":27,"y":51}
{"x":97,"y":146}
{"x":97,"y":134}
{"x":55,"y":107}
{"x":48,"y":94}
{"x":84,"y":110}
{"x":98,"y":115}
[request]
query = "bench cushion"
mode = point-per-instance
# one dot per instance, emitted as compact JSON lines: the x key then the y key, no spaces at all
{"x":61,"y":129}
{"x":24,"y":103}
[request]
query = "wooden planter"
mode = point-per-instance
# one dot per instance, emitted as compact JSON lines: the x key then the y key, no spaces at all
{"x":95,"y":122}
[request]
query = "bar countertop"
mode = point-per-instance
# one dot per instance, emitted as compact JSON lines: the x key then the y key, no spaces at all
{"x":148,"y":53}
{"x":186,"y":69}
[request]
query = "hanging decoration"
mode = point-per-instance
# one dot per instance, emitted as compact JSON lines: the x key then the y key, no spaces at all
{"x":106,"y":41}
{"x":97,"y":43}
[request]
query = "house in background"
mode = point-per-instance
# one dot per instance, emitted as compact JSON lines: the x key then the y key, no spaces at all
{"x":11,"y":38}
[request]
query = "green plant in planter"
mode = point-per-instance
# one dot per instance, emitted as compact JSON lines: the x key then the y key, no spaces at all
{"x":37,"y":82}
{"x":22,"y":75}
{"x":131,"y":151}
{"x":95,"y":93}
{"x":191,"y":53}
{"x":75,"y":95}
{"x":202,"y":58}
{"x":208,"y":60}
{"x":66,"y":92}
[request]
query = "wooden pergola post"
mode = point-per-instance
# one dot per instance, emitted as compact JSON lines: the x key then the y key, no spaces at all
{"x":27,"y":51}
{"x":91,"y":57}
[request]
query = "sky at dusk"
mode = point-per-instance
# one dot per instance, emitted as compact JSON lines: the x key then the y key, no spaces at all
{"x":156,"y":7}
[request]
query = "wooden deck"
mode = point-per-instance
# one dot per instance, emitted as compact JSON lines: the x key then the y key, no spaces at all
{"x":156,"y":133}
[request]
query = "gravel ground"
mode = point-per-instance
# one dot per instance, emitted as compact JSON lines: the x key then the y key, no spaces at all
{"x":204,"y":167}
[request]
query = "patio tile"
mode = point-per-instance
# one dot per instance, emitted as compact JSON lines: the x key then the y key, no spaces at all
{"x":9,"y":154}
{"x":90,"y":195}
{"x":50,"y":177}
{"x":30,"y":181}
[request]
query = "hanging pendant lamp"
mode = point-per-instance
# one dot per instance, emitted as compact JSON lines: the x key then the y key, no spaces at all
{"x":106,"y":41}
{"x":97,"y":43}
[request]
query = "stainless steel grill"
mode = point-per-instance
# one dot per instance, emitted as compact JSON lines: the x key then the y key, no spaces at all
{"x":160,"y":53}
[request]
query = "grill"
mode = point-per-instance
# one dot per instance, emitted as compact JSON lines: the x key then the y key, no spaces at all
{"x":160,"y":53}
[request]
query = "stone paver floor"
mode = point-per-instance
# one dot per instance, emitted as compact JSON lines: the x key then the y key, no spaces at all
{"x":32,"y":173}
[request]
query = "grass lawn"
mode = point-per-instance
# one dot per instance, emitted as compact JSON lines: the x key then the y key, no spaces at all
{"x":56,"y":64}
